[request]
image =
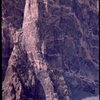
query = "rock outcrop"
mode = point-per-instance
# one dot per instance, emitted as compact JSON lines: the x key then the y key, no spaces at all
{"x":50,"y":49}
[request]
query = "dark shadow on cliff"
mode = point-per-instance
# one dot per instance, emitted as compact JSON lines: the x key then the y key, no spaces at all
{"x":39,"y":92}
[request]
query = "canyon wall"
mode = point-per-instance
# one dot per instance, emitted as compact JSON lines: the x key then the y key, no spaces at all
{"x":50,"y":49}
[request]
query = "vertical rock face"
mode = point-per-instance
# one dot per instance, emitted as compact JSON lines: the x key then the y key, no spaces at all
{"x":50,"y":49}
{"x":12,"y":18}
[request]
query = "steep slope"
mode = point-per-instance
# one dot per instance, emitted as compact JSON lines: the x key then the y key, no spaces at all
{"x":50,"y":49}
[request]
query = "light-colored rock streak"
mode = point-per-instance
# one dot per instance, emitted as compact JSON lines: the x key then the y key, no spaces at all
{"x":30,"y":34}
{"x":33,"y":46}
{"x":12,"y":82}
{"x":46,"y":4}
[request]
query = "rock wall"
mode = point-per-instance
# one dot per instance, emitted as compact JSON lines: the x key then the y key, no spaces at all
{"x":12,"y":18}
{"x":50,"y":49}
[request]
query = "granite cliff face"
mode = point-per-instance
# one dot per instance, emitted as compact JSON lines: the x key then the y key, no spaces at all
{"x":50,"y":50}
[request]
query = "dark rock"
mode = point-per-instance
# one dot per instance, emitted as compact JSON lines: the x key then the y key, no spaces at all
{"x":50,"y":49}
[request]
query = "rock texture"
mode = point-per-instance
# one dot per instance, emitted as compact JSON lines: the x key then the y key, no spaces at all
{"x":50,"y":49}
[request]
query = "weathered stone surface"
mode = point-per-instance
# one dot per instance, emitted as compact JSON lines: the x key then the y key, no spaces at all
{"x":50,"y":49}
